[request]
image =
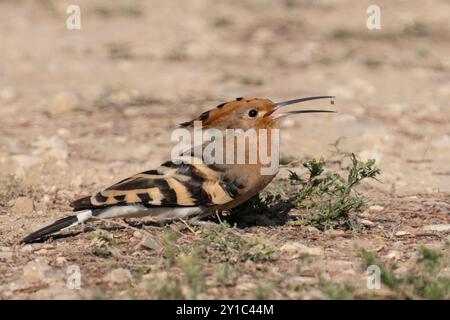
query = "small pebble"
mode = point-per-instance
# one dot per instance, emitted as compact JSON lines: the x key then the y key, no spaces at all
{"x":366,"y":222}
{"x":151,"y":243}
{"x":376,"y":208}
{"x":137,"y":234}
{"x":27,"y":248}
{"x":393,"y":255}
{"x":437,"y":227}
{"x":41,"y":251}
{"x":297,"y":249}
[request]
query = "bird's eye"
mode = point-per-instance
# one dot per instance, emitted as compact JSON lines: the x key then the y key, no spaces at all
{"x":252,"y":113}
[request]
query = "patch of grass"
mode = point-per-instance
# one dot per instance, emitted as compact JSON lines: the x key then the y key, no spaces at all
{"x":222,"y":22}
{"x":101,"y":294}
{"x":104,"y":12}
{"x":325,"y":60}
{"x":102,"y":252}
{"x":224,"y":244}
{"x":252,"y":81}
{"x":337,"y":291}
{"x":224,"y":274}
{"x":373,"y":63}
{"x":119,"y":50}
{"x":327,"y":199}
{"x":49,"y":6}
{"x":221,"y":244}
{"x":187,"y":259}
{"x":170,"y":290}
{"x":262,"y":292}
{"x":11,"y":186}
{"x":193,"y":273}
{"x":424,"y":279}
{"x":416,"y":29}
{"x":121,"y":97}
{"x":368,"y":258}
{"x":343,"y":34}
{"x":177,"y":54}
{"x":171,"y":249}
{"x":130,"y":10}
{"x":258,"y":251}
{"x":423,"y":53}
{"x":387,"y":275}
{"x":103,"y":243}
{"x":101,"y":235}
{"x":430,"y":259}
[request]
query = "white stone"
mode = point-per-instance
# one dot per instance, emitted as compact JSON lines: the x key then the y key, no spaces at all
{"x":366,"y":222}
{"x":393,"y":255}
{"x":376,"y":208}
{"x":437,"y":227}
{"x":150,"y":243}
{"x":42,"y":251}
{"x":297,"y":249}
{"x":137,"y":235}
{"x":27,"y":248}
{"x":312,"y":229}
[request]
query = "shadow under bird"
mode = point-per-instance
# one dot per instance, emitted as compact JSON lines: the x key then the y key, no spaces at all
{"x":187,"y":189}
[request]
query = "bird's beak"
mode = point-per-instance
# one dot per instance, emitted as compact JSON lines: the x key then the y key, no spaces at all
{"x":276,"y":113}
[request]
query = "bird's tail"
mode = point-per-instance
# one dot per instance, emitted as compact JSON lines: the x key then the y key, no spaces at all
{"x":59,"y":225}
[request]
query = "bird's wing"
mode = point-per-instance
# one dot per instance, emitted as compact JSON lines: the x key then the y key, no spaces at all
{"x":171,"y":185}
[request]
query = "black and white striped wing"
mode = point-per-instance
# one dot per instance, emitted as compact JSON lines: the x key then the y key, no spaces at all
{"x":171,"y":185}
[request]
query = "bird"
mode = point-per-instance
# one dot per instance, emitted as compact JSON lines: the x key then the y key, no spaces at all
{"x":188,"y":188}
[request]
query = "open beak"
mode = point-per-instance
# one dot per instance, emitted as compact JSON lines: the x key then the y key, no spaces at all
{"x":276,"y":113}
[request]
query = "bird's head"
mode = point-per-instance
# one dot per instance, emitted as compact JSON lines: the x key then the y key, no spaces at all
{"x":247,"y":112}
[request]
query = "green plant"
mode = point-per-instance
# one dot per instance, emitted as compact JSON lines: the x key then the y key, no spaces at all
{"x":416,"y":29}
{"x":11,"y":186}
{"x":429,"y":258}
{"x":169,"y":289}
{"x":102,"y":252}
{"x":171,"y":249}
{"x":258,"y":251}
{"x":191,"y":266}
{"x":326,"y":198}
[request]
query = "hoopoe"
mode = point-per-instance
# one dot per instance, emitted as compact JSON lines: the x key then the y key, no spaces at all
{"x":186,"y":189}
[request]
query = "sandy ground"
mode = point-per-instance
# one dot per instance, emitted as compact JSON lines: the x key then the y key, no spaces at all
{"x":81,"y":109}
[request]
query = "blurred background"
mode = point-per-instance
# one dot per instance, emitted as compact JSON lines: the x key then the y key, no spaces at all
{"x":83,"y":108}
